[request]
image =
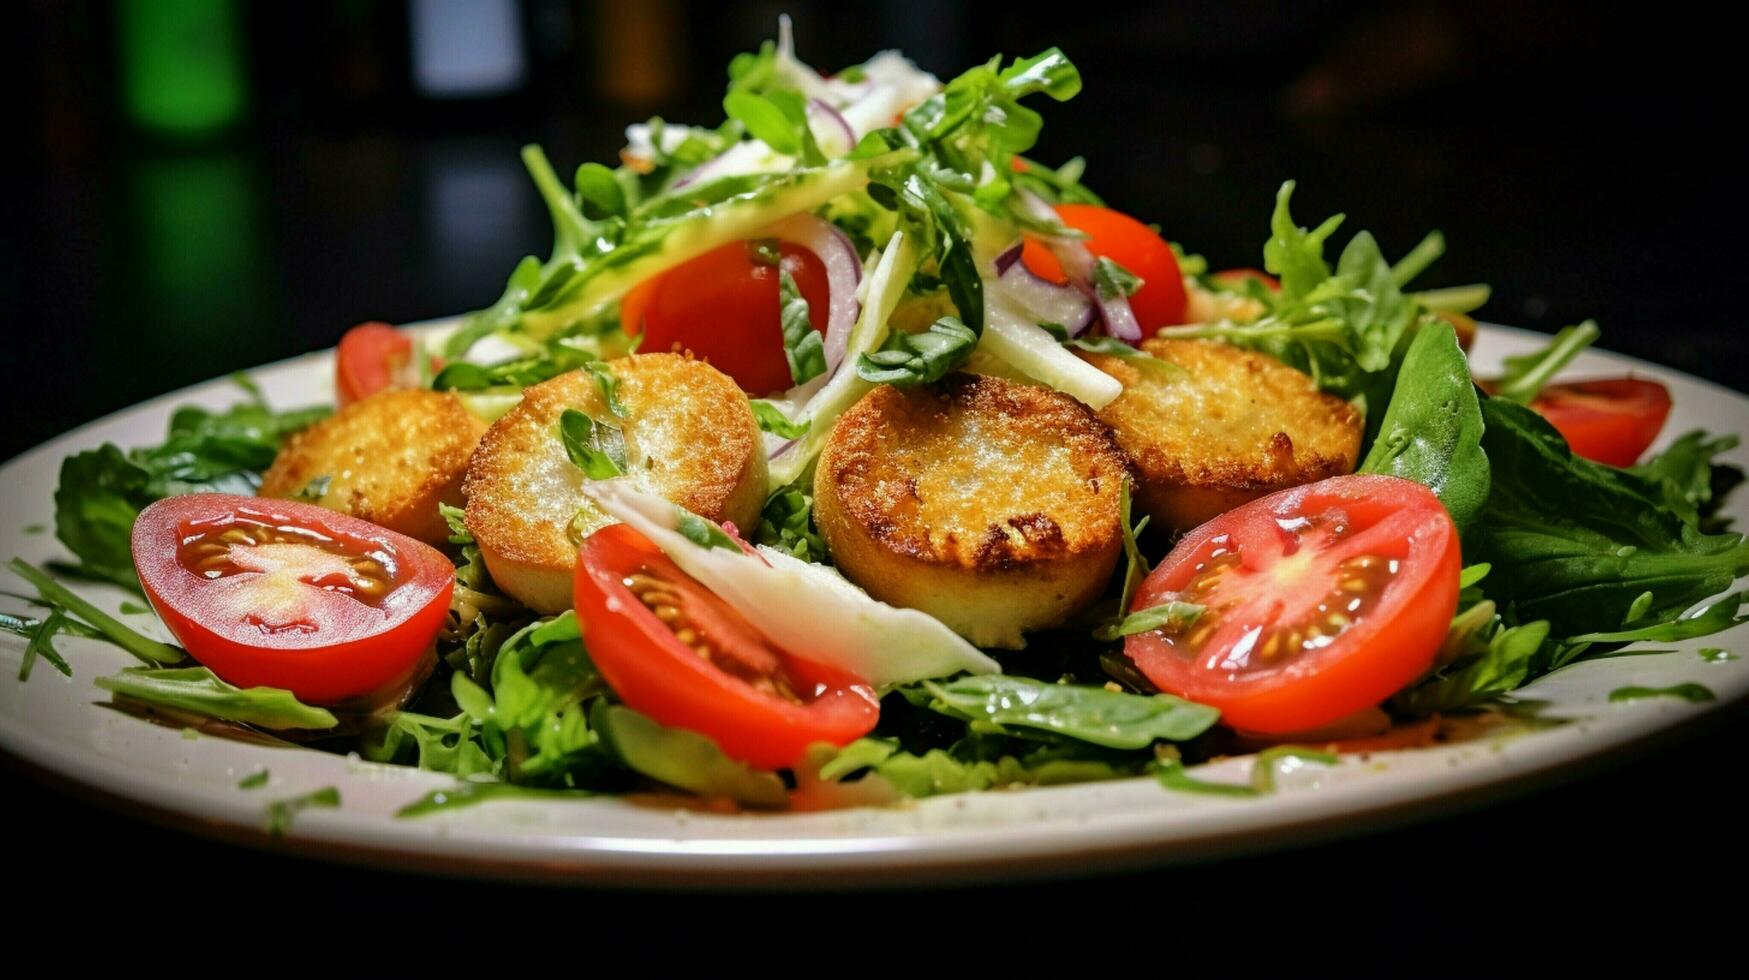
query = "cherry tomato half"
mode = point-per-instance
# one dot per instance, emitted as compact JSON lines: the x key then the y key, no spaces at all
{"x":370,"y":358}
{"x":675,"y":652}
{"x":279,"y":593}
{"x":1611,"y":421}
{"x":723,"y":306}
{"x":1129,"y":243}
{"x":1319,"y":601}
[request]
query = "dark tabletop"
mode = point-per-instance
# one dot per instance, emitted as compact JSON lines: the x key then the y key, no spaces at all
{"x":1573,"y":159}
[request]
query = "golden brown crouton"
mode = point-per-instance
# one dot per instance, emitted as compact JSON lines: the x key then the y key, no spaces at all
{"x":1233,"y":426}
{"x":689,"y":436}
{"x":389,"y":459}
{"x":988,"y":504}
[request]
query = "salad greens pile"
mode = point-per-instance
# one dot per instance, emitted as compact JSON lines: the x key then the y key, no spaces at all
{"x":1567,"y":559}
{"x":102,"y":490}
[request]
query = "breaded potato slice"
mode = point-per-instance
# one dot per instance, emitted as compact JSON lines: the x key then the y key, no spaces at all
{"x":1233,"y":426}
{"x":689,"y":436}
{"x":389,"y":459}
{"x":989,"y":504}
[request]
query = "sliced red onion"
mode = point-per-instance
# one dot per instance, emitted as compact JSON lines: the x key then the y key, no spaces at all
{"x":843,"y":273}
{"x":1045,"y":301}
{"x":830,"y":128}
{"x":1079,"y":264}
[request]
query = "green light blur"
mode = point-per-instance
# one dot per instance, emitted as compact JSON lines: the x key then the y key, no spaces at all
{"x":182,"y":63}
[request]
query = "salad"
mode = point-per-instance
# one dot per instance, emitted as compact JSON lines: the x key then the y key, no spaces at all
{"x":844,"y":453}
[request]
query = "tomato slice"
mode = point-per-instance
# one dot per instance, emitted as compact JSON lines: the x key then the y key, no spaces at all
{"x":1611,"y":421}
{"x":1124,"y":240}
{"x":285,"y":594}
{"x":723,"y":306}
{"x":370,"y":358}
{"x":1320,"y":601}
{"x":674,"y":651}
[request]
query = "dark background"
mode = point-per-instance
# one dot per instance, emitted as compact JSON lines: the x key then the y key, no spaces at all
{"x":1582,"y":160}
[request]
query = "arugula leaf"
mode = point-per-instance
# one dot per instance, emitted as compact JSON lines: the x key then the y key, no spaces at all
{"x":1715,"y":617}
{"x":608,"y":383}
{"x":683,"y":759}
{"x":1425,"y":253}
{"x":600,"y":192}
{"x":1526,"y":374}
{"x":1172,"y":774}
{"x":1432,"y":431}
{"x":978,"y":116}
{"x":771,"y":419}
{"x":803,"y":347}
{"x":938,"y":772}
{"x":1455,"y":299}
{"x":765,"y":119}
{"x":534,"y":723}
{"x":58,"y":596}
{"x":787,"y":524}
{"x":1692,"y":693}
{"x":1135,"y":563}
{"x":909,"y":359}
{"x":1112,"y":719}
{"x":524,"y":279}
{"x":1294,"y":255}
{"x":199,"y":690}
{"x":596,"y":448}
{"x":281,"y":812}
{"x":42,"y":643}
{"x":1114,"y":347}
{"x":100,"y":493}
{"x":1487,"y":660}
{"x":438,"y":744}
{"x":1694,"y":485}
{"x":705,"y":534}
{"x":102,"y":490}
{"x":1173,"y":617}
{"x":1347,"y":328}
{"x":1111,"y":280}
{"x":587,"y":344}
{"x":1577,"y":542}
{"x":1060,"y":186}
{"x":471,"y":791}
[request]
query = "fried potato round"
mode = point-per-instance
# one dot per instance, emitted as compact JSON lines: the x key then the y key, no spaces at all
{"x":389,"y":459}
{"x":689,"y":436}
{"x":1233,"y":426}
{"x":990,"y":505}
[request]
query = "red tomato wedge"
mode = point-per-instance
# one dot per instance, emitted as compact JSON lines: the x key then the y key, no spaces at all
{"x":284,"y":594}
{"x":1131,"y":244}
{"x":723,"y":306}
{"x":675,"y":652}
{"x":1319,"y":601}
{"x":371,"y":357}
{"x":1611,"y":421}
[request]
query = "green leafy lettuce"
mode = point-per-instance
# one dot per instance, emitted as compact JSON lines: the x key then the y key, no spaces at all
{"x":1432,"y":430}
{"x":102,"y":490}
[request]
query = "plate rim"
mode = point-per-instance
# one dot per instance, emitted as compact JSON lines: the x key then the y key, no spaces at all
{"x":889,"y":859}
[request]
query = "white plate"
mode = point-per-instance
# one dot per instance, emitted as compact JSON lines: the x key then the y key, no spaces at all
{"x":56,"y":724}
